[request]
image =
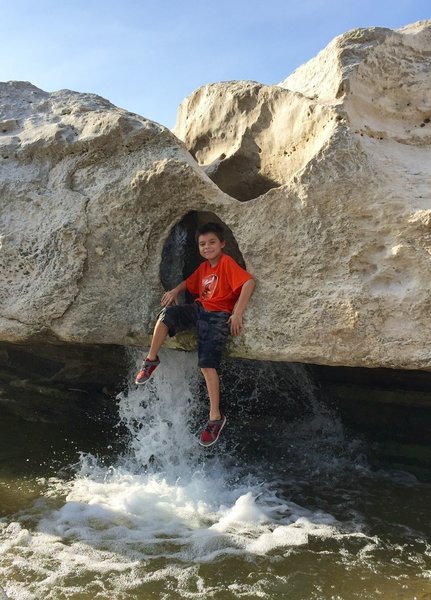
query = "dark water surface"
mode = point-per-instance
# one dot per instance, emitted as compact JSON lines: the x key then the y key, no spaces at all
{"x":276,"y":510}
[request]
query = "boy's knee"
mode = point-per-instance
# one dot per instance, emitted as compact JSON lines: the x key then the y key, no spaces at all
{"x":208,"y":370}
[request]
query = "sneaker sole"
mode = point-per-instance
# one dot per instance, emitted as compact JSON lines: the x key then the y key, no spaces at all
{"x":142,"y":382}
{"x":216,"y":440}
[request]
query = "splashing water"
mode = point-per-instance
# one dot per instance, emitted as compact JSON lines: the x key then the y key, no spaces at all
{"x":182,"y":500}
{"x":147,"y":525}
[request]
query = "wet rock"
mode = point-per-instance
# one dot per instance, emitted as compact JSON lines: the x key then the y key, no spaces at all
{"x":56,"y":383}
{"x":391,"y":409}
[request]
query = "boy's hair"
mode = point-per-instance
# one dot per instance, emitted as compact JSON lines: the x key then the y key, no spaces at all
{"x":210,"y":228}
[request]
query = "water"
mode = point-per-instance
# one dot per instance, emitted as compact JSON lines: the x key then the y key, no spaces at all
{"x":277,"y":509}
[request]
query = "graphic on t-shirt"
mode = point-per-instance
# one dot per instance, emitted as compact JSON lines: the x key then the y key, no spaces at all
{"x":209,"y":285}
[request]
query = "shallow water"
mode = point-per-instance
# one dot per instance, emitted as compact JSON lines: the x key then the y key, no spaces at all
{"x":274,"y":510}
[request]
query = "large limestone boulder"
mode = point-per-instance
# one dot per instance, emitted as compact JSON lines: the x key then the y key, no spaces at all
{"x":323,"y":180}
{"x":88,"y":193}
{"x":340,"y":242}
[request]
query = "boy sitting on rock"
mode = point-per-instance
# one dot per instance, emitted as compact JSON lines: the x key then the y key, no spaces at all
{"x":223,"y":290}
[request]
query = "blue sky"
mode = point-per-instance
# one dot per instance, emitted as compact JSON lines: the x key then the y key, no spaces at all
{"x":146,"y":56}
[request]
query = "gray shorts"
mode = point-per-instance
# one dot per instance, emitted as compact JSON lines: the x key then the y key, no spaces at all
{"x":212,"y":329}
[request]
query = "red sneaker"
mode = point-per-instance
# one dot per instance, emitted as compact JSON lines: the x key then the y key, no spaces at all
{"x":148,"y":368}
{"x":210,"y":434}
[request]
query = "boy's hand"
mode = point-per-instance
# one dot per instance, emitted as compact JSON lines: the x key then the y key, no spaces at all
{"x":170,"y":297}
{"x":236,"y":324}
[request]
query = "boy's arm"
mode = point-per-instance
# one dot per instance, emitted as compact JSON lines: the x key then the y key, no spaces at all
{"x":235,"y":320}
{"x":171,"y":297}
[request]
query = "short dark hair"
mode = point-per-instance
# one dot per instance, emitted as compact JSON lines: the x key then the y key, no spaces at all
{"x":210,"y":228}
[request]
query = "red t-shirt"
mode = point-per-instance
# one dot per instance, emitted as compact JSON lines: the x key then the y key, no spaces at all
{"x":218,"y":288}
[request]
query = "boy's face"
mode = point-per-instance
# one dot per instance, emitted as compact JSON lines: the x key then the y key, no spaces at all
{"x":210,"y":247}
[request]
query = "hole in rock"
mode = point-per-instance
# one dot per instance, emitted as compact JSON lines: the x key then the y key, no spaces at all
{"x":180,"y":256}
{"x":240,"y":175}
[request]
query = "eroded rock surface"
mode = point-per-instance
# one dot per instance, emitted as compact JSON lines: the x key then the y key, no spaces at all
{"x":342,"y":247}
{"x":251,"y":137}
{"x":333,"y":170}
{"x":88,"y":194}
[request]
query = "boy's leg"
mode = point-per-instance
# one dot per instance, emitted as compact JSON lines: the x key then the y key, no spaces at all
{"x":212,"y":381}
{"x":152,"y":361}
{"x":217,"y":420}
{"x":213,"y":330}
{"x":159,"y":334}
{"x":171,"y":319}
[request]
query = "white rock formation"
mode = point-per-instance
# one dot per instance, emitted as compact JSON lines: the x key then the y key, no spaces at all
{"x":335,"y":163}
{"x":342,"y":248}
{"x":251,"y":137}
{"x":88,"y":195}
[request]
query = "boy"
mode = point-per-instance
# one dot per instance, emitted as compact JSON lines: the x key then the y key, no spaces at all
{"x":223,"y":290}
